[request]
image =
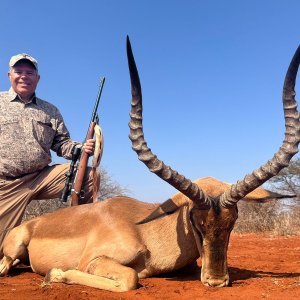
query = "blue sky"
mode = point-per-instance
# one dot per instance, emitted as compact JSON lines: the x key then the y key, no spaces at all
{"x":211,"y":73}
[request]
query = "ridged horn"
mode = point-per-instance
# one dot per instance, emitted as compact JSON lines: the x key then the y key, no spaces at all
{"x":288,"y":149}
{"x":139,"y":145}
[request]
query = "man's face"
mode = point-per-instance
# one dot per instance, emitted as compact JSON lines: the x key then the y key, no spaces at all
{"x":24,"y":79}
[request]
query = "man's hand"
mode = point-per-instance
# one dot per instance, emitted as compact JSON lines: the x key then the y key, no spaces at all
{"x":89,"y":146}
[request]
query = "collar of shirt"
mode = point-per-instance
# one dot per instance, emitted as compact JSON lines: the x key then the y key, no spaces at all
{"x":12,"y":95}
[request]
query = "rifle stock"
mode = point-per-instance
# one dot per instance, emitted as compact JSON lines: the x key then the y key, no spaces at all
{"x":81,"y":170}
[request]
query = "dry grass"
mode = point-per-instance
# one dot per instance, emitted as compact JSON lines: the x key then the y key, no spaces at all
{"x":272,"y":218}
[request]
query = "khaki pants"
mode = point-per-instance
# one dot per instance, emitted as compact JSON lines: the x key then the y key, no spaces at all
{"x":15,"y":194}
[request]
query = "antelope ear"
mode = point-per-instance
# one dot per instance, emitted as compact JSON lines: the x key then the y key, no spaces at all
{"x":261,"y":195}
{"x":167,"y":208}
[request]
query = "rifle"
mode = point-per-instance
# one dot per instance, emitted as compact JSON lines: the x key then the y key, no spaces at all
{"x":80,"y":159}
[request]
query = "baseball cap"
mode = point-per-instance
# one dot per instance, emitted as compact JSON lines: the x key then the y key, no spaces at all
{"x":14,"y":59}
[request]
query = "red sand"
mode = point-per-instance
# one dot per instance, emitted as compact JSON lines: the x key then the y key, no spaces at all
{"x":260,"y":268}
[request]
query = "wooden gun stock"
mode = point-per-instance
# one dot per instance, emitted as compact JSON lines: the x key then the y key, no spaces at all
{"x":81,"y":170}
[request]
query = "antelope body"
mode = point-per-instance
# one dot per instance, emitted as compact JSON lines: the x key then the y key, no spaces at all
{"x":101,"y":244}
{"x":111,"y":244}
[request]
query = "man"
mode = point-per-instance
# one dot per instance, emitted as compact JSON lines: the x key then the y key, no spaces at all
{"x":29,"y":128}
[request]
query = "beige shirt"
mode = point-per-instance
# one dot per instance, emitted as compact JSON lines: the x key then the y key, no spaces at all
{"x":28,"y":132}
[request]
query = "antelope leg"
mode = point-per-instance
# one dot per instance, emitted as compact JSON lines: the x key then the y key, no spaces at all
{"x":103,"y":273}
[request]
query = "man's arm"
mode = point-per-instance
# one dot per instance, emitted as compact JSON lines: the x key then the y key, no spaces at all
{"x":62,"y":142}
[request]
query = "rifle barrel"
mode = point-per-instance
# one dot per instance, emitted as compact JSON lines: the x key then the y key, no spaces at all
{"x":102,"y":80}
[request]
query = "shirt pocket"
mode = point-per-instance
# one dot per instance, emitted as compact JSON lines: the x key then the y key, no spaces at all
{"x":11,"y":130}
{"x":43,"y":133}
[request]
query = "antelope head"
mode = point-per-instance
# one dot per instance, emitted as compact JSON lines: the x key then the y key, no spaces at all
{"x":213,"y":212}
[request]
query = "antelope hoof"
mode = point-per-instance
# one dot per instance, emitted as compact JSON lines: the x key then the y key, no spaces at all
{"x":5,"y":265}
{"x":54,"y":275}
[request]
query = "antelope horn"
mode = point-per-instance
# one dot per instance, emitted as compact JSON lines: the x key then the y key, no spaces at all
{"x":288,"y":149}
{"x":139,"y":145}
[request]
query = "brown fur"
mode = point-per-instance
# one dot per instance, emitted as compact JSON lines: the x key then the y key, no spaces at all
{"x":102,"y":245}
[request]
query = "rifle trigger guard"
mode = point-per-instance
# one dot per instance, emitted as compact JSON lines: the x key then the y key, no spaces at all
{"x":82,"y":194}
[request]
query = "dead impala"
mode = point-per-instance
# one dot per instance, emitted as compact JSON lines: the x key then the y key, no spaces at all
{"x":111,"y":244}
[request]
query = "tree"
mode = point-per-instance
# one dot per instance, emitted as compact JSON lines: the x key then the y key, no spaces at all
{"x":288,"y":180}
{"x":277,"y":216}
{"x":108,"y":188}
{"x":270,"y":218}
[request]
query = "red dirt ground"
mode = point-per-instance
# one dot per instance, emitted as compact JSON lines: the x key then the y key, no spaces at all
{"x":260,"y":268}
